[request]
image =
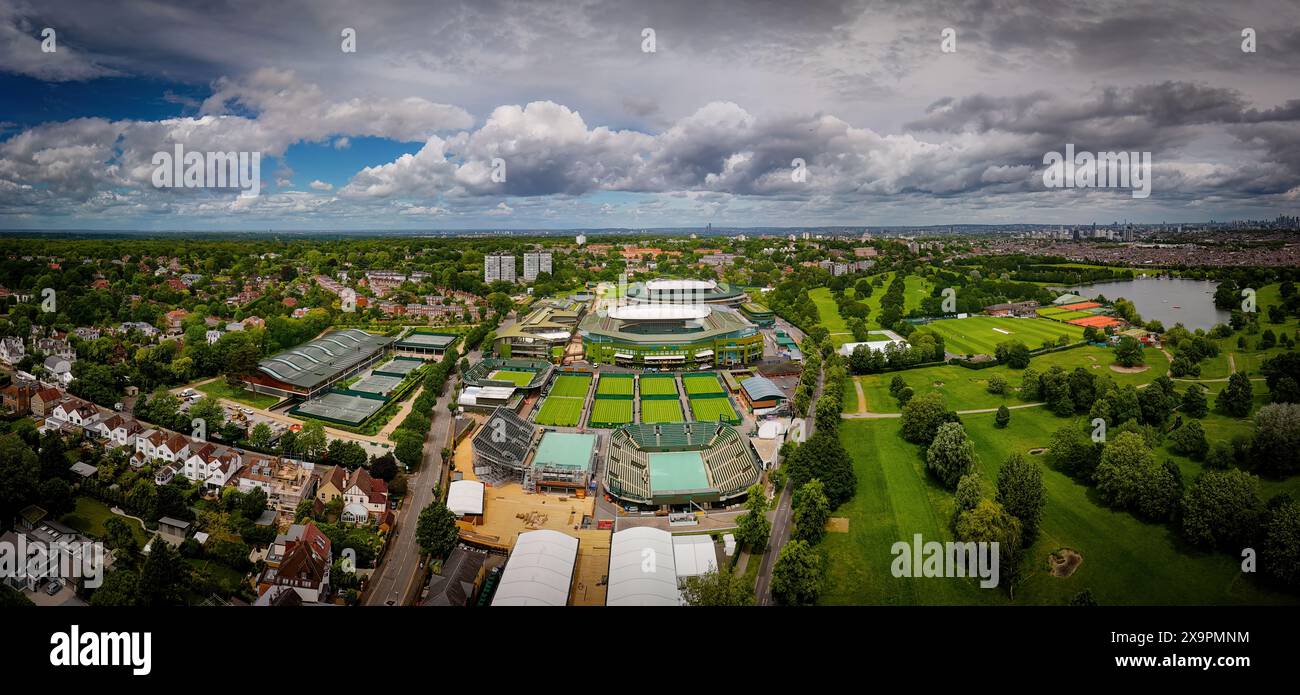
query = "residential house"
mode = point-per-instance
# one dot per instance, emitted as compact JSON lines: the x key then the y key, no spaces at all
{"x":211,"y":465}
{"x":365,"y":500}
{"x":17,"y":397}
{"x":118,"y":430}
{"x":44,"y":400}
{"x":12,"y":350}
{"x":286,"y":482}
{"x":60,"y":369}
{"x":299,"y":559}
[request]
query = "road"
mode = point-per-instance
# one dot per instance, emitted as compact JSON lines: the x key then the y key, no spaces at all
{"x":396,"y":581}
{"x":781,"y":522}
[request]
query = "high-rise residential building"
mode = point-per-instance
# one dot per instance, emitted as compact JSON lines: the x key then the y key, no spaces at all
{"x":536,"y":263}
{"x":498,"y":267}
{"x":581,"y":239}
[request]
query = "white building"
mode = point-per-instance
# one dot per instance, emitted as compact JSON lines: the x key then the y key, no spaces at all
{"x":498,"y":267}
{"x":535,"y":264}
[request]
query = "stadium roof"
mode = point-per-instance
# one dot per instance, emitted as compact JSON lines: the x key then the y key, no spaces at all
{"x":321,"y":360}
{"x":659,"y":312}
{"x":465,"y":497}
{"x":505,"y":439}
{"x":760,"y":387}
{"x":566,"y":450}
{"x":539,"y":571}
{"x":634,"y":578}
{"x":716,"y":323}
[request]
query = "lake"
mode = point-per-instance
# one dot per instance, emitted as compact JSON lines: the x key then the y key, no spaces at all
{"x":1167,"y":300}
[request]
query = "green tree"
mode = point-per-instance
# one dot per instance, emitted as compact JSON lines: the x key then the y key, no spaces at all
{"x":1279,"y":555}
{"x":1276,"y":449}
{"x":797,"y":575}
{"x":970,"y":490}
{"x":1189,"y":440}
{"x":988,"y":522}
{"x":1236,"y":398}
{"x":1128,"y":352}
{"x":1021,"y":492}
{"x":823,"y":457}
{"x":951,"y":455}
{"x":752,"y":528}
{"x":1013,"y":353}
{"x":720,"y":587}
{"x":922,"y":416}
{"x":1003,"y":418}
{"x":162,"y":577}
{"x":811,"y":511}
{"x":1222,"y":509}
{"x":1194,"y":404}
{"x":436,"y":532}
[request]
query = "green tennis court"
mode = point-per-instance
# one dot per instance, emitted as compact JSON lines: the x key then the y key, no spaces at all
{"x":662,"y":410}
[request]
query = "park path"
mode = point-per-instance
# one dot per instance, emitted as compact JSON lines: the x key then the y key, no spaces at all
{"x":976,"y":411}
{"x":862,"y":396}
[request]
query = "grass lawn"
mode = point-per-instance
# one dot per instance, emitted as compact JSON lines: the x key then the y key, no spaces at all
{"x":966,"y":389}
{"x":981,"y":334}
{"x":220,"y":389}
{"x":712,"y":409}
{"x":90,"y":514}
{"x":661,"y":410}
{"x":227,"y":578}
{"x":615,"y":385}
{"x":560,"y":411}
{"x":519,"y":379}
{"x":829,"y":313}
{"x":1125,"y":561}
{"x":701,"y":384}
{"x":571,"y":385}
{"x":658,"y":386}
{"x":614,"y":411}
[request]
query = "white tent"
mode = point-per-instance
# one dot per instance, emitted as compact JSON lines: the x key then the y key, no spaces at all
{"x":539,"y":571}
{"x":642,"y":569}
{"x":465,"y":497}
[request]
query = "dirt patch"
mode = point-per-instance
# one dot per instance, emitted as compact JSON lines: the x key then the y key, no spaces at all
{"x":1064,"y":562}
{"x":938,"y":384}
{"x":1038,"y":451}
{"x":1129,"y":370}
{"x":838,"y":524}
{"x":1091,"y":358}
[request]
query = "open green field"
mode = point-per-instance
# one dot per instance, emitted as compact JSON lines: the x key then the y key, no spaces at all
{"x":658,"y":386}
{"x":615,"y":385}
{"x":571,"y":385}
{"x":89,"y":516}
{"x":712,"y":409}
{"x":967,"y":389}
{"x":661,"y":410}
{"x":218,"y":388}
{"x":519,"y":379}
{"x":560,"y":411}
{"x":613,"y":411}
{"x":981,"y":334}
{"x":829,"y":312}
{"x":696,"y":385}
{"x":1125,"y":561}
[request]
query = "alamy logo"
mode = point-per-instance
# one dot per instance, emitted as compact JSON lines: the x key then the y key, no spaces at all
{"x":77,"y":648}
{"x":242,"y":170}
{"x":935,"y":559}
{"x":1101,"y":170}
{"x":62,"y":560}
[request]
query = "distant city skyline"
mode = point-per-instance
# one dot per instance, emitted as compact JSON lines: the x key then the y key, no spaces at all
{"x":469,"y":116}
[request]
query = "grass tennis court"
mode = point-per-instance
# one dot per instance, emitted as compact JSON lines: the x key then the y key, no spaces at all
{"x":611,"y":411}
{"x":658,"y":386}
{"x":560,"y":411}
{"x":981,"y":334}
{"x":519,"y":379}
{"x":696,"y":385}
{"x":571,"y":385}
{"x":1069,"y":315}
{"x":615,"y":386}
{"x":712,"y":409}
{"x":661,"y":411}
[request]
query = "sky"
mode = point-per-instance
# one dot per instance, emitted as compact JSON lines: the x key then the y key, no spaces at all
{"x":552,"y":115}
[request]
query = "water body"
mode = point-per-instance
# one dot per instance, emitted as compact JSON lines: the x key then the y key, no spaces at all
{"x":1167,"y":300}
